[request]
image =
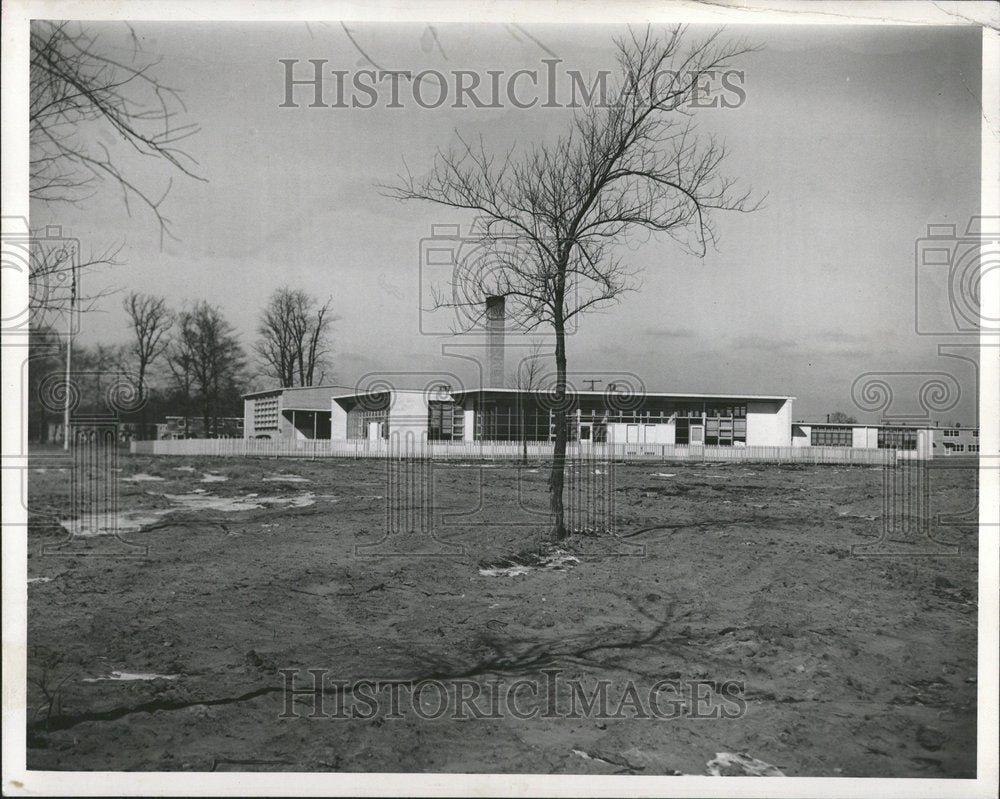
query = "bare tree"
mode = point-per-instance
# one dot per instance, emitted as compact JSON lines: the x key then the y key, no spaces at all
{"x":527,"y":378}
{"x":180,"y":362}
{"x":206,"y":359}
{"x":552,"y":217}
{"x":55,"y":277}
{"x":839,"y":417}
{"x":150,"y":321}
{"x":294,"y":337}
{"x":94,"y":119}
{"x":77,"y":93}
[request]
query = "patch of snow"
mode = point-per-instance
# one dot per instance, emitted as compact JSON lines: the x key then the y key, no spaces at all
{"x":142,"y":477}
{"x":32,"y":580}
{"x":663,"y":474}
{"x":209,"y":477}
{"x":287,"y":478}
{"x":131,"y":676}
{"x":90,"y":524}
{"x":510,"y":571}
{"x":557,"y":560}
{"x":106,"y":524}
{"x":740,"y":764}
{"x":205,"y":501}
{"x":184,"y":468}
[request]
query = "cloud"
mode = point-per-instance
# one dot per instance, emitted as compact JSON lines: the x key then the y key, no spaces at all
{"x":668,"y":332}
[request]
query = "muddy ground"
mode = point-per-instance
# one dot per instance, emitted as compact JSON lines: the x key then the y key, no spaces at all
{"x":745,"y":597}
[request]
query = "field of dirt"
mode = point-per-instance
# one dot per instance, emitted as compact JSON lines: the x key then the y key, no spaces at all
{"x":738,"y":582}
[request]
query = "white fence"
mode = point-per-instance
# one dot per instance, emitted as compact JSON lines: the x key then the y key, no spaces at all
{"x":506,"y":451}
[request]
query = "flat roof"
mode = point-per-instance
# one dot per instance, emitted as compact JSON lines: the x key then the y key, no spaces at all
{"x":597,"y":393}
{"x":354,"y":392}
{"x":265,"y":391}
{"x":882,"y":424}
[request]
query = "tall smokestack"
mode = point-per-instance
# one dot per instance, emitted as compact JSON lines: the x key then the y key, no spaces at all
{"x":496,"y":323}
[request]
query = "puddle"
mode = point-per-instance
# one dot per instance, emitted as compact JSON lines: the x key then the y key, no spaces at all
{"x":557,"y":560}
{"x":131,"y":676}
{"x":663,"y":474}
{"x":287,"y":478}
{"x":32,"y":580}
{"x":142,"y":478}
{"x":208,"y":477}
{"x":184,"y":468}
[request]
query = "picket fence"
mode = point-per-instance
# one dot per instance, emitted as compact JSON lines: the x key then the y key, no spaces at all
{"x":506,"y":451}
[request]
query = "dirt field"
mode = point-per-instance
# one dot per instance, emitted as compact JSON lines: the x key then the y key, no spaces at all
{"x":849,"y":666}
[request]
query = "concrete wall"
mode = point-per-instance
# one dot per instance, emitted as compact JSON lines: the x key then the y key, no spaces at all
{"x":801,"y":435}
{"x":769,"y":423}
{"x":338,"y":421}
{"x":647,"y":433}
{"x":248,"y":431}
{"x":865,"y":438}
{"x":408,"y":413}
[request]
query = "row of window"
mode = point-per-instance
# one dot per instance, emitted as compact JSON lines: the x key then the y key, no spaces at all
{"x":947,"y":433}
{"x":888,"y":437}
{"x":961,"y":448}
{"x":831,"y":436}
{"x":897,"y":438}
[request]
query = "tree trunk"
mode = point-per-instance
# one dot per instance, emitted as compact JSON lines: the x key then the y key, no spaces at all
{"x":557,"y":475}
{"x":142,"y":403}
{"x":206,"y":416}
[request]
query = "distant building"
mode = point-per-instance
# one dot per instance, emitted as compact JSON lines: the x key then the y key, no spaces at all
{"x":194,"y":427}
{"x":956,"y":441}
{"x":908,"y":440}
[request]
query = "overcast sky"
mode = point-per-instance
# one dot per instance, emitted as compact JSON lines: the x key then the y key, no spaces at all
{"x":859,"y":136}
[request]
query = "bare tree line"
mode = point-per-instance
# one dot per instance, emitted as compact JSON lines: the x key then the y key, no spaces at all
{"x":189,"y":361}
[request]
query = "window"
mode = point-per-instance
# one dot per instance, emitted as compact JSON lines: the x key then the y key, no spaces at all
{"x":446,"y":421}
{"x":973,"y":448}
{"x":831,"y":436}
{"x":975,"y":434}
{"x":681,"y":432}
{"x":951,"y":433}
{"x":897,"y":438}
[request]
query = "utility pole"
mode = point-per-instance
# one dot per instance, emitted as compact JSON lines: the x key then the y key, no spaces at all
{"x":69,"y":352}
